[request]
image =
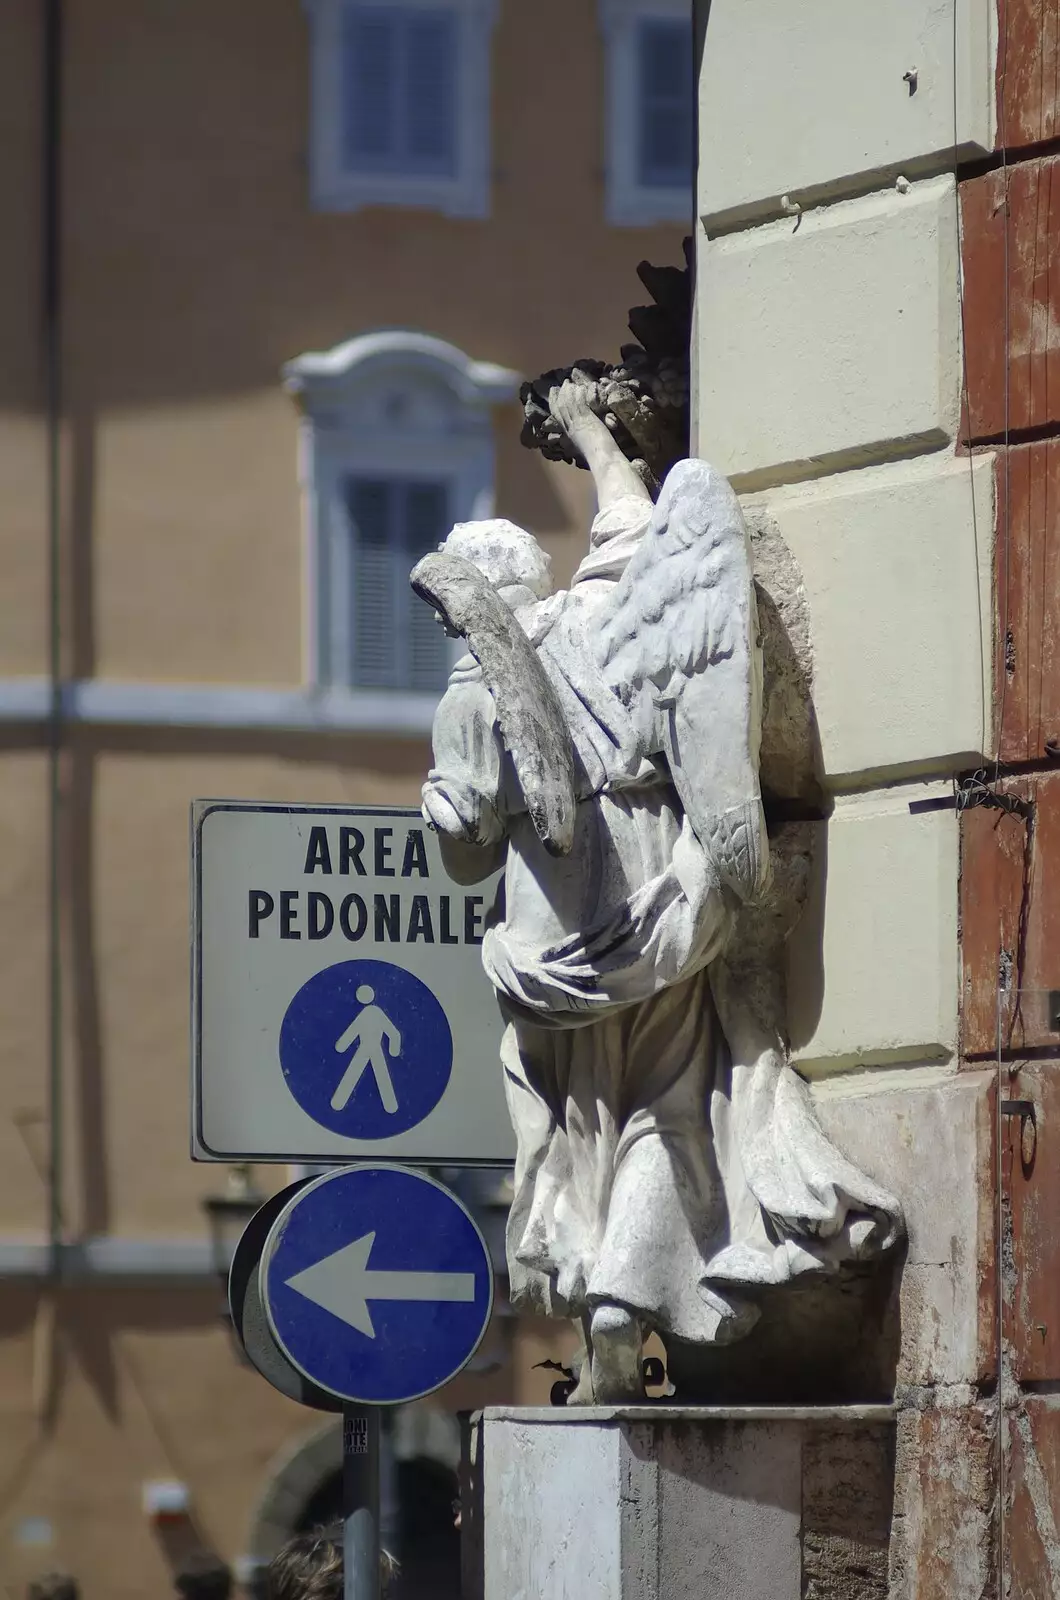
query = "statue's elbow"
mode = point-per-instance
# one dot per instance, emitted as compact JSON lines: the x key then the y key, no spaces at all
{"x":467,"y":862}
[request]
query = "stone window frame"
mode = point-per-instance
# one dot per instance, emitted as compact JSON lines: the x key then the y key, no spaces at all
{"x":392,"y":403}
{"x":334,"y":188}
{"x":630,"y":203}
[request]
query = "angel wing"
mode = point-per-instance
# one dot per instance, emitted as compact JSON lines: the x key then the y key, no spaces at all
{"x":681,"y":649}
{"x":528,"y":713}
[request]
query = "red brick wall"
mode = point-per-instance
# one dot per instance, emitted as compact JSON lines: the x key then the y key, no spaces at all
{"x":1010,"y":858}
{"x":1011,"y":263}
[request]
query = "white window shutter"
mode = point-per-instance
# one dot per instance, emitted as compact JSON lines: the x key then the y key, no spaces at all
{"x":400,"y":90}
{"x":664,"y":59}
{"x":430,"y":91}
{"x":370,"y":86}
{"x":374,"y":510}
{"x":397,"y":644}
{"x":427,"y":522}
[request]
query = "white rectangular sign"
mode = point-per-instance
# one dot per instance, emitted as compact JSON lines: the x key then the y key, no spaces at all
{"x":339,"y":1006}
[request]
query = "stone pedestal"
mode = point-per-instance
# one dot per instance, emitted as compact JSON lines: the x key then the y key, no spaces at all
{"x":667,"y":1503}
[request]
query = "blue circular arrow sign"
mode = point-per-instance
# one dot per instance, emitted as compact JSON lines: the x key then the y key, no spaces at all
{"x":366,"y":1049}
{"x":377,"y":1284}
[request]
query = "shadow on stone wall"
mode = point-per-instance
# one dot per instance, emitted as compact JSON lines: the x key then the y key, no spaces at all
{"x":827,"y":1340}
{"x":831,"y":1341}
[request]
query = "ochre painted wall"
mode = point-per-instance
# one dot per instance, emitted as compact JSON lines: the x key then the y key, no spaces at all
{"x":192,"y":270}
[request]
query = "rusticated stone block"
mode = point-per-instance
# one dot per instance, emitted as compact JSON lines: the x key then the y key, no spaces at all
{"x":1032,"y":1511}
{"x":855,"y":314}
{"x":943,"y":1536}
{"x":1017,"y":344}
{"x":884,"y":879}
{"x":1028,"y":72}
{"x":993,"y":847}
{"x":857,"y":61}
{"x":898,"y":667}
{"x":847,"y":1495}
{"x":928,"y":1318}
{"x":948,"y":1308}
{"x":1027,"y":668}
{"x":1010,"y":919}
{"x":669,"y":1503}
{"x":1032,"y":1188}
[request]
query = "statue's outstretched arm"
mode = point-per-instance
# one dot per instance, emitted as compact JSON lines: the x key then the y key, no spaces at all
{"x":614,"y":476}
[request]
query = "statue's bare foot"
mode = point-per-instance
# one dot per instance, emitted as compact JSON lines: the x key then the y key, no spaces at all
{"x":582,"y":1393}
{"x":616,"y":1339}
{"x":581,"y":1366}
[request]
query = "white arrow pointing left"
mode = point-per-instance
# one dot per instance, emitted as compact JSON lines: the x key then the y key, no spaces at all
{"x":343,"y":1283}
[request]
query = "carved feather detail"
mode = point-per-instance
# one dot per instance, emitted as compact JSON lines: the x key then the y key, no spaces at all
{"x":529,"y":715}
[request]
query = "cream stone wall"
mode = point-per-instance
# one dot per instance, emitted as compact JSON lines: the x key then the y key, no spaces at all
{"x":831,"y":339}
{"x":828,"y":378}
{"x":897,"y":567}
{"x":842,"y":96}
{"x":828,"y":383}
{"x":872,"y":970}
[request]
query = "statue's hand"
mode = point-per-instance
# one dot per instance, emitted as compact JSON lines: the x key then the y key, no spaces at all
{"x":571,"y":404}
{"x":476,"y":822}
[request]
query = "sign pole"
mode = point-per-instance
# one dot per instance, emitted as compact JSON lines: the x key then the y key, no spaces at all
{"x":360,"y":1502}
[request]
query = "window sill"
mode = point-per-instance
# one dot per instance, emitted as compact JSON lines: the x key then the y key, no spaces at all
{"x":400,"y":714}
{"x":451,"y":199}
{"x":644,"y":208}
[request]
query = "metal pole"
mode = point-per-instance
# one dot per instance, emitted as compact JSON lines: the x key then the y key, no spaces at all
{"x":51,"y":256}
{"x":360,"y":1502}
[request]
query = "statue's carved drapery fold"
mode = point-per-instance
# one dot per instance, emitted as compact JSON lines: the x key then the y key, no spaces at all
{"x":670,"y":1165}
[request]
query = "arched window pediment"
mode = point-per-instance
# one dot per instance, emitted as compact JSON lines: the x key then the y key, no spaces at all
{"x":398,"y":359}
{"x":398,"y":445}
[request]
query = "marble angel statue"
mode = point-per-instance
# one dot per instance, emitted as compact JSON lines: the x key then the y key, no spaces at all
{"x":602,"y":743}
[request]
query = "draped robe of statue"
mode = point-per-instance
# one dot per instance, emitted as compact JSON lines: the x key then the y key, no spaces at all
{"x":669,"y":1158}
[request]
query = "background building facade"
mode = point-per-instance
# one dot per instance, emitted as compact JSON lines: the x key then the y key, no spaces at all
{"x":270,"y":278}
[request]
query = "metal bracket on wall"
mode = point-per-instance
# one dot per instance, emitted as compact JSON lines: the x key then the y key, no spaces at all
{"x":1028,"y":1115}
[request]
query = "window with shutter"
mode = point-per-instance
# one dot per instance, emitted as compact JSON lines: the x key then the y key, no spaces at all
{"x":399,"y":89}
{"x":398,"y":447}
{"x":400,"y":103}
{"x":649,"y":60}
{"x":664,"y":103}
{"x":431,"y":87}
{"x":395,"y":641}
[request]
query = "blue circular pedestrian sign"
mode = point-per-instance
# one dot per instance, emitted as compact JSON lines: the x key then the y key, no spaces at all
{"x":366,"y":1049}
{"x":377,"y":1284}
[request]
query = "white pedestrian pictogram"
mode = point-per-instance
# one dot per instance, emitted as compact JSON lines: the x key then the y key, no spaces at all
{"x":374,"y":1036}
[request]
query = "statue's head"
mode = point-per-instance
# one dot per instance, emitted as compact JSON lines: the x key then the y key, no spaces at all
{"x":504,"y":553}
